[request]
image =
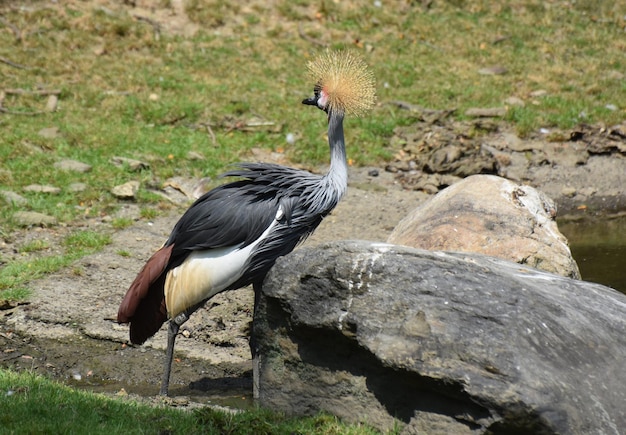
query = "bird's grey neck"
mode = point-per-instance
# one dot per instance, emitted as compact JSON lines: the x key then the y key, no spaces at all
{"x":338,"y":173}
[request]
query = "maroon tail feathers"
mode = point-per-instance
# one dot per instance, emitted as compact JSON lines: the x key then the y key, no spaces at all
{"x":144,"y":303}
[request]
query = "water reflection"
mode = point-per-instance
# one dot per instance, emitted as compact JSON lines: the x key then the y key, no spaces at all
{"x":599,"y":248}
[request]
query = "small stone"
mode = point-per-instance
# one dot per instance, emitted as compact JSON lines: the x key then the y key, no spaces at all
{"x":568,"y":191}
{"x":539,"y":93}
{"x":126,"y":191}
{"x":49,"y":132}
{"x":486,"y":112}
{"x":153,"y":97}
{"x":588,"y":191}
{"x":77,"y":187}
{"x":373,"y":173}
{"x":51,"y":104}
{"x":39,"y":188}
{"x":194,"y":155}
{"x":493,"y":70}
{"x":72,"y":165}
{"x":12,"y":197}
{"x":99,"y":50}
{"x":514,"y":101}
{"x":134,"y":165}
{"x":31,"y":218}
{"x":615,"y":75}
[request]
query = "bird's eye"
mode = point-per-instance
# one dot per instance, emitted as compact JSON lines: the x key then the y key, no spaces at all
{"x":317,"y":89}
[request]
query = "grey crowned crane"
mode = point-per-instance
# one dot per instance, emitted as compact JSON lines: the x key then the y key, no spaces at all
{"x":232,"y":235}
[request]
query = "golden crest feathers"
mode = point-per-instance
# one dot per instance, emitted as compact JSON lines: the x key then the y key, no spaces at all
{"x":346,"y":80}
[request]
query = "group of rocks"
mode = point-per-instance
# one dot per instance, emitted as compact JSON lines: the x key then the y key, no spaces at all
{"x":458,"y":336}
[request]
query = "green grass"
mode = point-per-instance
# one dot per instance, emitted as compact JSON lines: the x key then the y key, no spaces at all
{"x":153,"y":105}
{"x":16,"y":274}
{"x":174,"y":95}
{"x":31,"y":404}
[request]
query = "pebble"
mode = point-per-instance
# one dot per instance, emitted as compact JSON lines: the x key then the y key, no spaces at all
{"x":126,"y":191}
{"x":514,"y":101}
{"x":493,"y":70}
{"x":42,"y":188}
{"x":49,"y":132}
{"x":32,"y":218}
{"x":73,"y":165}
{"x":194,"y":155}
{"x":77,"y":187}
{"x":134,"y":165}
{"x":568,"y":191}
{"x":13,"y":198}
{"x":486,"y":112}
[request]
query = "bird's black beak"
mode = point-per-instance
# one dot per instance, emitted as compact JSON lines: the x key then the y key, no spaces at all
{"x":311,"y":101}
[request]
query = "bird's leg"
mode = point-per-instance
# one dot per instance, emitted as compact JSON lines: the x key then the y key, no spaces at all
{"x":254,"y":349}
{"x":172,"y":331}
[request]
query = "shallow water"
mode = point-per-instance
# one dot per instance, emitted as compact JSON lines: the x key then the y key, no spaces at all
{"x":599,"y":248}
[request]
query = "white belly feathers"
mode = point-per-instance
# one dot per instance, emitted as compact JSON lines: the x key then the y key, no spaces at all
{"x":206,"y":273}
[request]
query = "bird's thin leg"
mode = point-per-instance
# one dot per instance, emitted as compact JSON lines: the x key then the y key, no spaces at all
{"x":256,"y":358}
{"x":172,"y":331}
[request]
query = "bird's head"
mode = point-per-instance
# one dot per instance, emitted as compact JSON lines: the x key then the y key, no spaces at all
{"x":344,"y":83}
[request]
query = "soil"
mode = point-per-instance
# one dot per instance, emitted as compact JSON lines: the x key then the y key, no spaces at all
{"x":67,"y":329}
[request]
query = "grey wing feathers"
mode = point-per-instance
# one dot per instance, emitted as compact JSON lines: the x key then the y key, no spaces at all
{"x":238,"y":212}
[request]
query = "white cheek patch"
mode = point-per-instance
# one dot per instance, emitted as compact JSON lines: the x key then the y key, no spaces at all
{"x":322,"y":101}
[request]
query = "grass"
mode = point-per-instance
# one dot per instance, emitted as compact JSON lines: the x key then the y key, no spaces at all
{"x":249,"y":62}
{"x":31,"y":404}
{"x":15,"y":275}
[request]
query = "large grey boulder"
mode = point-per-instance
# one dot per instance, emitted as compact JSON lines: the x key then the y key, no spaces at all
{"x":493,"y":216}
{"x":443,"y":342}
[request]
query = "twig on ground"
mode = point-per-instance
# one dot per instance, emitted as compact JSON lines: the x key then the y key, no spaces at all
{"x":50,"y":107}
{"x":156,"y":26}
{"x":13,"y":112}
{"x":13,"y":64}
{"x":309,"y":38}
{"x":19,"y":91}
{"x":209,"y":130}
{"x":16,"y":32}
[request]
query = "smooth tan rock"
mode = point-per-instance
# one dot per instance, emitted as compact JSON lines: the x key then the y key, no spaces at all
{"x":490,"y":215}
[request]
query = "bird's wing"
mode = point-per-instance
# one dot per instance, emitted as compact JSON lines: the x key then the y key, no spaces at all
{"x":235,"y":214}
{"x":232,"y":215}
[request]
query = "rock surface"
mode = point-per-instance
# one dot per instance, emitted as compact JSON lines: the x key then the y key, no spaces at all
{"x":446,"y":343}
{"x":127,"y":190}
{"x":493,"y":216}
{"x":39,"y":188}
{"x":434,"y":153}
{"x":32,"y":218}
{"x":72,"y":165}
